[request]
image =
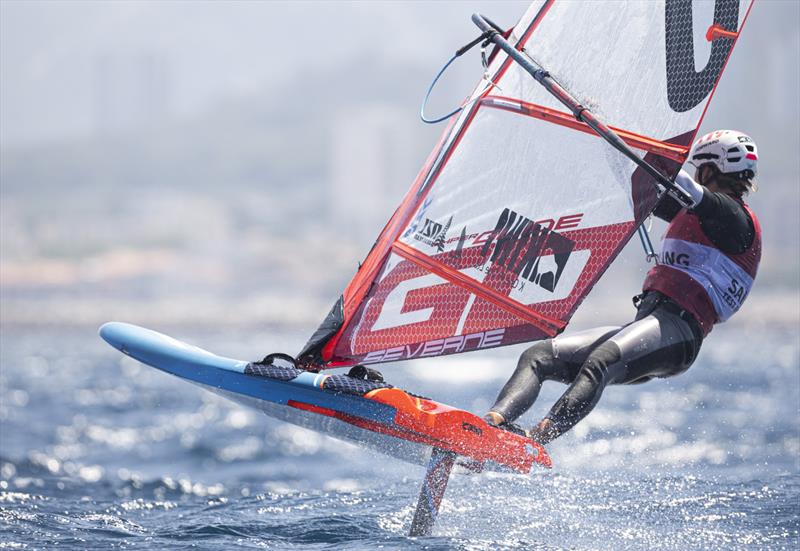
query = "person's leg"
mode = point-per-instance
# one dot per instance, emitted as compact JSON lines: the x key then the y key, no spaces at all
{"x":557,"y":359}
{"x":658,"y":345}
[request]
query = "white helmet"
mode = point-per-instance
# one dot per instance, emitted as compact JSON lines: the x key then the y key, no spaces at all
{"x":733,"y":153}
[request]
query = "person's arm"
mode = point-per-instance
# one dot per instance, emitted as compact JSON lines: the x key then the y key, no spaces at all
{"x":725,"y":221}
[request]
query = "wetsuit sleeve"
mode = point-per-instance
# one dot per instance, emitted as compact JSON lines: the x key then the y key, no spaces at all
{"x":725,"y":221}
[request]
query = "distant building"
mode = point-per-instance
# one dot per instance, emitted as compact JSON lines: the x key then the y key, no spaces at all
{"x":375,"y":155}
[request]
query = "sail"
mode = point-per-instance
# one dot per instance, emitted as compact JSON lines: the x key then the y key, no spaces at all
{"x":520,"y":208}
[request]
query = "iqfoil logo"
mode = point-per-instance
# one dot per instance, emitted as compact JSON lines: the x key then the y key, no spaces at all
{"x":433,"y":234}
{"x":412,"y":227}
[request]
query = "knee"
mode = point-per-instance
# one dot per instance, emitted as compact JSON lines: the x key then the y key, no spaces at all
{"x":537,"y":355}
{"x":596,"y":367}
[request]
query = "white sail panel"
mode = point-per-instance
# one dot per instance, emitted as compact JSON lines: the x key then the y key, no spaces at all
{"x":543,"y":170}
{"x":619,"y":69}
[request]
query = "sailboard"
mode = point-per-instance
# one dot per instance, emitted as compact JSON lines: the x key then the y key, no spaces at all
{"x":371,"y":413}
{"x":536,"y":185}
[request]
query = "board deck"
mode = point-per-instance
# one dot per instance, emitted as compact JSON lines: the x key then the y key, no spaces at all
{"x":388,"y":420}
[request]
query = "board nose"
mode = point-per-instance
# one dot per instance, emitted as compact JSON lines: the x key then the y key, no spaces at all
{"x":113,"y":333}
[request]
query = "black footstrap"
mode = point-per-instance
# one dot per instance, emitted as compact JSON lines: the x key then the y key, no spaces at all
{"x":352,"y":385}
{"x":366,"y":373}
{"x":283,"y":370}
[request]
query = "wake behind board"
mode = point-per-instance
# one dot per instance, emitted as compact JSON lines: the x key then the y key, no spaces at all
{"x":368,"y":413}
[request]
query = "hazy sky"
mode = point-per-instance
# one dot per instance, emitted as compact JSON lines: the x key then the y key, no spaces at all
{"x":213,"y":50}
{"x":49,"y":50}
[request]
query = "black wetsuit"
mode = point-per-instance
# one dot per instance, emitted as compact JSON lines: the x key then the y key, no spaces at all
{"x":662,"y":341}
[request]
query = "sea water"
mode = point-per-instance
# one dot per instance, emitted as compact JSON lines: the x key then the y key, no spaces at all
{"x":100,"y":452}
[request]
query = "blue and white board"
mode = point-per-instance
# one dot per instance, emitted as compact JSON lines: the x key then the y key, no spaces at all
{"x":331,"y":413}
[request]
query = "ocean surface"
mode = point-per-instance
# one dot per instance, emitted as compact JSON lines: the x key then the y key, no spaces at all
{"x":100,"y":452}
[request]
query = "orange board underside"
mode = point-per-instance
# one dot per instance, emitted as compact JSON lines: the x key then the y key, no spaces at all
{"x":430,"y":423}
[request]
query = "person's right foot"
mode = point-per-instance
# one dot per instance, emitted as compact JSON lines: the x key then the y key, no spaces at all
{"x":543,"y":433}
{"x":494,"y":419}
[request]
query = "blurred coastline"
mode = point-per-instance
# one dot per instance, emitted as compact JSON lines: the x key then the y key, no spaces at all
{"x":140,"y":184}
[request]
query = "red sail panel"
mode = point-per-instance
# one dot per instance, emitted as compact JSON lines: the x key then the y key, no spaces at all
{"x":413,"y":313}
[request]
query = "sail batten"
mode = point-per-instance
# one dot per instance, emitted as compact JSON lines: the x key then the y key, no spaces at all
{"x":645,"y":143}
{"x":550,"y":326}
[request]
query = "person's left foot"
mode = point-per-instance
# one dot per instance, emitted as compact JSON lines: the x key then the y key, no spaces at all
{"x":496,"y":420}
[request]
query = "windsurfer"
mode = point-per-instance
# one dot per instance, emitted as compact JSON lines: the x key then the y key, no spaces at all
{"x":710,"y":256}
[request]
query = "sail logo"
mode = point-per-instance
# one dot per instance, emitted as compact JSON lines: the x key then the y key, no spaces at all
{"x":519,"y":244}
{"x":412,"y":227}
{"x":438,"y":347}
{"x":687,"y":87}
{"x":433,"y":234}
